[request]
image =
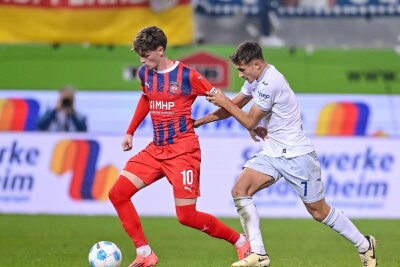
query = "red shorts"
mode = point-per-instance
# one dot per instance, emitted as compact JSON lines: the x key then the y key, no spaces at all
{"x":180,"y":163}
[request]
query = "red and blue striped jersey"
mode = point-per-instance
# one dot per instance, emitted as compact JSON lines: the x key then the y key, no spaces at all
{"x":171,"y":93}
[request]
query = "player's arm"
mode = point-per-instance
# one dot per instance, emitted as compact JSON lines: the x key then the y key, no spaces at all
{"x":249,"y":120}
{"x":201,"y":86}
{"x":239,"y":100}
{"x":142,"y":109}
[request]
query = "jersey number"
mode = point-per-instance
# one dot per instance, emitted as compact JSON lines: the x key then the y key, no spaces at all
{"x":305,"y":188}
{"x":187,"y":176}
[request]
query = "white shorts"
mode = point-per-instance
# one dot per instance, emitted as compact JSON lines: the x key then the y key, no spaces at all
{"x":303,"y":173}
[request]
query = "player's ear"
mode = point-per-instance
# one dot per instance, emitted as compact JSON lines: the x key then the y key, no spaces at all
{"x":257,"y":64}
{"x":160,"y":50}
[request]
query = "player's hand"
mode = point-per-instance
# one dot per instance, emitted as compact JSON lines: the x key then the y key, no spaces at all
{"x":253,"y":136}
{"x":127,"y":142}
{"x":216,"y":97}
{"x":259,"y":133}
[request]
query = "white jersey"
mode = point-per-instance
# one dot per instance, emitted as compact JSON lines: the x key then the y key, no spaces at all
{"x":272,"y":93}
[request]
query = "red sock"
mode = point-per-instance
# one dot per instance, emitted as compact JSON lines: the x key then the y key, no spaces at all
{"x":120,"y":196}
{"x":189,"y":216}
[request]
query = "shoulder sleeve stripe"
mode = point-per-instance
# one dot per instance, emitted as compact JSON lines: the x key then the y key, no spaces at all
{"x":142,"y":74}
{"x":186,"y":87}
{"x":149,"y":80}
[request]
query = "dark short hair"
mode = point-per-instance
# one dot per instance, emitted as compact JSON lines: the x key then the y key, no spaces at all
{"x":149,"y":39}
{"x":246,"y":52}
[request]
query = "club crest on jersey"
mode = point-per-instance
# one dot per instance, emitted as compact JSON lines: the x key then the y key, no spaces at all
{"x":174,"y":87}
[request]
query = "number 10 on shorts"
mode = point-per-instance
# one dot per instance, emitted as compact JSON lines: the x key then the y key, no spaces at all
{"x":187,"y":176}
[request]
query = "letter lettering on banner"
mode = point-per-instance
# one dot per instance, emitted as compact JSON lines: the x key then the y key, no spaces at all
{"x":15,"y":183}
{"x":18,"y":155}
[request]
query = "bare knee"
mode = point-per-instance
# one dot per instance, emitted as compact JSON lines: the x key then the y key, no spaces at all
{"x":318,"y":215}
{"x":238,"y":191}
{"x":250,"y":182}
{"x":319,"y":210}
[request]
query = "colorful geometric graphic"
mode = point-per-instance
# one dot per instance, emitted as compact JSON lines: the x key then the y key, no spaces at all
{"x":80,"y":157}
{"x":18,"y":114}
{"x":343,"y":119}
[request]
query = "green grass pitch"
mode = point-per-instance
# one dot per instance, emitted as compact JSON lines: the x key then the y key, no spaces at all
{"x":53,"y":241}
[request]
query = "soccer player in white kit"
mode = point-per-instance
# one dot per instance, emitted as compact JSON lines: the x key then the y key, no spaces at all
{"x":287,"y":153}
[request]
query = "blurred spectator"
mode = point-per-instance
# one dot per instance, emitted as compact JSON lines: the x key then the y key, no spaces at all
{"x":314,"y":4}
{"x":198,"y":33}
{"x":268,"y":24}
{"x":63,"y":118}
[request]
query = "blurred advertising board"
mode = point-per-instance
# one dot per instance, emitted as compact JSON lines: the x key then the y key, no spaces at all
{"x":110,"y":113}
{"x":95,"y":22}
{"x":71,"y":174}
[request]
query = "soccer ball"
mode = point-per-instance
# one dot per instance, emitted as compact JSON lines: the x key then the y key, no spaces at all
{"x":105,"y":254}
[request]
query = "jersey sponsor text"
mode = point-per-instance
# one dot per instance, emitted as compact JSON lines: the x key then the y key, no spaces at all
{"x":164,"y":105}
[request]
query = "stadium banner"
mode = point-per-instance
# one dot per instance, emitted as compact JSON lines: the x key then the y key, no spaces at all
{"x":110,"y":113}
{"x":72,"y":174}
{"x":296,"y":8}
{"x":97,"y":22}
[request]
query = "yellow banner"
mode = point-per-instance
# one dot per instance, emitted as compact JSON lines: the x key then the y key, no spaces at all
{"x":93,"y":21}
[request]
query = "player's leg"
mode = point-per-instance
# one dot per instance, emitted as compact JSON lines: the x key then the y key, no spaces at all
{"x":145,"y":167}
{"x":188,"y":215}
{"x":339,"y":222}
{"x":250,"y":181}
{"x":120,"y":196}
{"x":183,"y":172}
{"x":304,"y":174}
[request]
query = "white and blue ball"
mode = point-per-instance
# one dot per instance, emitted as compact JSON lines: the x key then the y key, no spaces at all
{"x":105,"y":254}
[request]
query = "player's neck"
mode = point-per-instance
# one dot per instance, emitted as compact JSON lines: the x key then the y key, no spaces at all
{"x":165,"y":63}
{"x":263,"y":70}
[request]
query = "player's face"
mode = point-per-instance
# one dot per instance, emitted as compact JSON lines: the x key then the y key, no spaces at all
{"x":250,"y":72}
{"x":152,"y":58}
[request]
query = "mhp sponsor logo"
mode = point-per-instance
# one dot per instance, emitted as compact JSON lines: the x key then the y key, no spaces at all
{"x":224,"y":128}
{"x":351,"y":179}
{"x":343,"y":119}
{"x":18,"y":114}
{"x":17,"y":164}
{"x":80,"y":158}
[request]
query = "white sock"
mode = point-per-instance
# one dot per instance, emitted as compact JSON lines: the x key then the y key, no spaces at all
{"x":143,"y":251}
{"x":250,"y":222}
{"x":341,"y":224}
{"x":241,"y":241}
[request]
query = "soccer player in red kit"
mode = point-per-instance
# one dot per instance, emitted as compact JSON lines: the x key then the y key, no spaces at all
{"x":169,"y":89}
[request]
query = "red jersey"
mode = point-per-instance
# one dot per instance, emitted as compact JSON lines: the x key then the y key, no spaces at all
{"x":171,"y":93}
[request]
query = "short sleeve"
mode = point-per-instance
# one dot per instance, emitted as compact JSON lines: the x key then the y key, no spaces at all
{"x":141,"y":76}
{"x":265,"y":95}
{"x":199,"y":84}
{"x":246,"y":89}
